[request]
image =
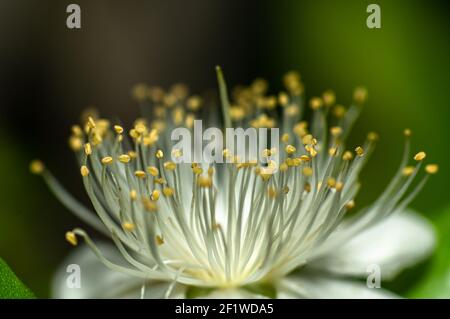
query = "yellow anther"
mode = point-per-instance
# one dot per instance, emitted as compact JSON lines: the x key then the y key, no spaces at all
{"x":408,"y":170}
{"x":339,"y":111}
{"x":316,"y":103}
{"x":259,"y":86}
{"x":226,"y":153}
{"x":159,"y":154}
{"x":84,"y":171}
{"x":331,"y":182}
{"x":71,"y":238}
{"x":420,"y":156}
{"x":296,"y":161}
{"x":285,"y":138}
{"x":156,"y":93}
{"x":139,"y":174}
{"x":107,"y":160}
{"x":289,"y":162}
{"x":265,"y":173}
{"x":139,"y":92}
{"x":160,"y":181}
{"x":133,"y":194}
{"x":37,"y":167}
{"x":124,"y":158}
{"x":237,"y":113}
{"x":332,"y":151}
{"x":432,"y":168}
{"x":170,"y":166}
{"x":336,"y":131}
{"x":307,"y":171}
{"x":170,"y":100}
{"x":312,"y":151}
{"x":329,"y":98}
{"x":177,"y":153}
{"x":194,"y":103}
{"x":292,"y":110}
{"x":283,"y":99}
{"x":307,"y":187}
{"x":304,"y":158}
{"x":407,"y":132}
{"x":159,"y":240}
{"x":75,"y":143}
{"x":285,"y":190}
{"x":301,"y":129}
{"x":272,"y":192}
{"x":347,"y":156}
{"x":339,"y":186}
{"x":177,"y":116}
{"x":291,"y":76}
{"x":266,"y":153}
{"x":290,"y":149}
{"x":87,"y":149}
{"x":189,"y":121}
{"x":96,"y":138}
{"x":134,"y":134}
{"x":118,"y":129}
{"x":252,"y":162}
{"x":149,"y":205}
{"x":168,"y":191}
{"x":350,"y":204}
{"x":283,"y":167}
{"x":263,"y":121}
{"x":151,"y":138}
{"x":360,"y":95}
{"x":153,"y":171}
{"x":359,"y":151}
{"x":270,"y":102}
{"x":77,"y":131}
{"x":204,"y":181}
{"x":128,"y":226}
{"x":132,"y":154}
{"x":307,"y":139}
{"x":91,"y":122}
{"x":197,"y":170}
{"x":372,"y":136}
{"x":180,"y":90}
{"x":155,"y":195}
{"x":102,"y":125}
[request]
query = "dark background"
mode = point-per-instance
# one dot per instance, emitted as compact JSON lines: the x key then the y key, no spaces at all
{"x":49,"y":74}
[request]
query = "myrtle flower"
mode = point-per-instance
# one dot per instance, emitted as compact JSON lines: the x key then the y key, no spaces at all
{"x":238,"y":229}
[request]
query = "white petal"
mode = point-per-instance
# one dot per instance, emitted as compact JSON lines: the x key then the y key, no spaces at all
{"x":320,"y":286}
{"x":393,"y":244}
{"x":232,"y":293}
{"x":97,"y":281}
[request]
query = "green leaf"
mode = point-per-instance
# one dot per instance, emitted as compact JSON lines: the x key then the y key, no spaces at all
{"x":436,"y":282}
{"x":10,"y":286}
{"x":264,"y":289}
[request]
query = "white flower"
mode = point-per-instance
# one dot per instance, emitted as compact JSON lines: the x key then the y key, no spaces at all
{"x":228,"y":228}
{"x":394,"y":244}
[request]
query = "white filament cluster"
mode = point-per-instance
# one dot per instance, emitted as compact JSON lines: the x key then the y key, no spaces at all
{"x":232,"y":224}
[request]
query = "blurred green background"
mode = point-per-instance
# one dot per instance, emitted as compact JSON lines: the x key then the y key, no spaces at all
{"x":48,"y":74}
